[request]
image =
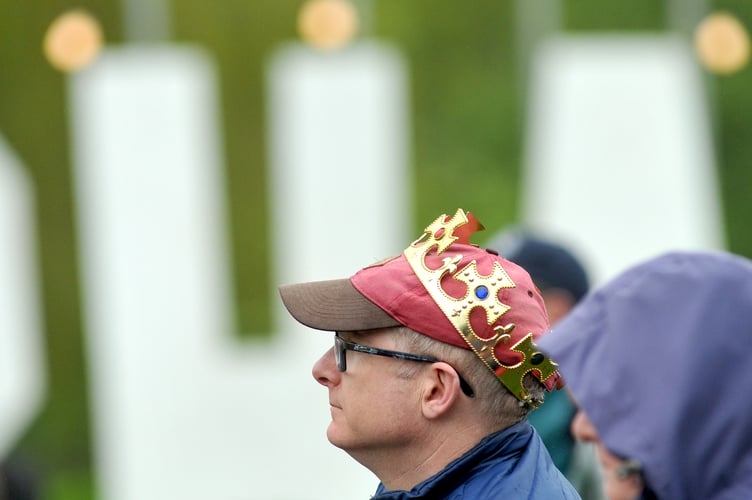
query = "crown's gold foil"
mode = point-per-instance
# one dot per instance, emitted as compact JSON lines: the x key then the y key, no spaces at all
{"x":440,"y":234}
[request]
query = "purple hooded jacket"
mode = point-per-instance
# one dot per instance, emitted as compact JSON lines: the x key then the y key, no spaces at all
{"x":660,"y":359}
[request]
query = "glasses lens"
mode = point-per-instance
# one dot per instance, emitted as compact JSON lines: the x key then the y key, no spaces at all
{"x":339,"y":353}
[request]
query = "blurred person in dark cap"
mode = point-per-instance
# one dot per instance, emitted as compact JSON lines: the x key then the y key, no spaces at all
{"x":555,"y":269}
{"x":563,"y":281}
{"x":658,"y":360}
{"x":434,"y":368}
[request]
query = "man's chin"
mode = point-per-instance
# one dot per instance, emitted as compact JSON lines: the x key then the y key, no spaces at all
{"x":336,"y":437}
{"x":333,"y":436}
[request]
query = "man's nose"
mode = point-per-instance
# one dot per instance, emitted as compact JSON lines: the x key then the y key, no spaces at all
{"x":325,"y":369}
{"x":583,"y":429}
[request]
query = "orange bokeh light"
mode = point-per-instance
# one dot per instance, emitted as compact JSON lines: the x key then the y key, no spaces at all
{"x":722,"y":43}
{"x":73,"y":41}
{"x":327,"y":24}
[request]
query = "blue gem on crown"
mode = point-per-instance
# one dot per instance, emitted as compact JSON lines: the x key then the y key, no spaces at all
{"x":481,"y":292}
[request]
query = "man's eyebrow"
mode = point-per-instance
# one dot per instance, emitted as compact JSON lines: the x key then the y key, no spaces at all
{"x":348,"y":335}
{"x":355,"y":334}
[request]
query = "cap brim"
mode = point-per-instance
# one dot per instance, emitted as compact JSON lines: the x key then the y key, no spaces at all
{"x":333,"y":305}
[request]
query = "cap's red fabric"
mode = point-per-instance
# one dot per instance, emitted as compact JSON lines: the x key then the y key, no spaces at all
{"x":393,"y":286}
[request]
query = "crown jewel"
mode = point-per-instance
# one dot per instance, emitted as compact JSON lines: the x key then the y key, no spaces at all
{"x":481,"y":292}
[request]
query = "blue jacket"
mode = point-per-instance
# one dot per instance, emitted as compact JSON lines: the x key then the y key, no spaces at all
{"x":510,"y":464}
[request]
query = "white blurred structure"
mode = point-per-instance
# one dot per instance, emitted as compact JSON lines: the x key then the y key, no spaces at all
{"x":182,"y":409}
{"x":338,"y":157}
{"x":620,"y":162}
{"x":22,"y":360}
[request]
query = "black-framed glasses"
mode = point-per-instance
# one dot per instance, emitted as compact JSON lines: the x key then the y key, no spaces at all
{"x":341,"y":346}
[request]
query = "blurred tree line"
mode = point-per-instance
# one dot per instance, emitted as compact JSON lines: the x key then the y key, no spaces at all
{"x":468,"y":117}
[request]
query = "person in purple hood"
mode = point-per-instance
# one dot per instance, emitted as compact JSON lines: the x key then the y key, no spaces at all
{"x":658,"y":360}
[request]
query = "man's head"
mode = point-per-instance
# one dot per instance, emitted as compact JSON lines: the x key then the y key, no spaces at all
{"x":472,"y":314}
{"x":445,"y":288}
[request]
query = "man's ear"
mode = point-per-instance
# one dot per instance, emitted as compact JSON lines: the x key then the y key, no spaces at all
{"x":440,"y":391}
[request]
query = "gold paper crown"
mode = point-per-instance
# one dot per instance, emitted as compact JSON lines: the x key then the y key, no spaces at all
{"x":482,"y":291}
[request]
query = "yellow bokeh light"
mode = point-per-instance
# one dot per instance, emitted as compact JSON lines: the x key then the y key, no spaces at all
{"x":722,"y":43}
{"x":327,"y":24}
{"x":72,"y":41}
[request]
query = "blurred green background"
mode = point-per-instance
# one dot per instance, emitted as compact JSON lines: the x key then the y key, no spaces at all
{"x":467,"y":103}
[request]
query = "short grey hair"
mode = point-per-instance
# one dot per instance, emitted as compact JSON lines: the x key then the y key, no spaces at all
{"x":496,"y":403}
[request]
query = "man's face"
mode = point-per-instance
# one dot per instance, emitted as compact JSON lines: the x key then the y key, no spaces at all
{"x":373,"y":410}
{"x":615,"y":487}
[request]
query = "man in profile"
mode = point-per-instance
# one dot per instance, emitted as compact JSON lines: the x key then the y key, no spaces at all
{"x":434,"y":369}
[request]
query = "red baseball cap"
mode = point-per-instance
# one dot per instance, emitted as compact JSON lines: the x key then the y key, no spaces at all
{"x":445,"y":288}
